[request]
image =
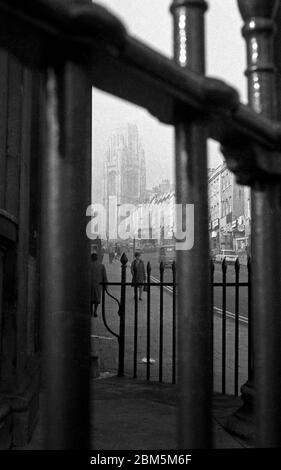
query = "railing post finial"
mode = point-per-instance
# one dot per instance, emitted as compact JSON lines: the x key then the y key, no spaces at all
{"x":250,"y":9}
{"x":185,"y":3}
{"x":124,"y":259}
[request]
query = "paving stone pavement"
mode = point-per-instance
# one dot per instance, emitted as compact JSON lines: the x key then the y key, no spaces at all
{"x":129,"y":414}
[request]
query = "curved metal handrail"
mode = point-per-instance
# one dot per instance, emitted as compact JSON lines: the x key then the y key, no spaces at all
{"x":103,"y":310}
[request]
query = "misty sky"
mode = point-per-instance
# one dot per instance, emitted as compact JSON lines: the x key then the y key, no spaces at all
{"x":150,"y":21}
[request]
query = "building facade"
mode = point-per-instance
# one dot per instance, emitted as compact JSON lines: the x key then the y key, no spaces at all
{"x":214,"y":207}
{"x":230,"y":212}
{"x":20,"y":137}
{"x":155,"y":219}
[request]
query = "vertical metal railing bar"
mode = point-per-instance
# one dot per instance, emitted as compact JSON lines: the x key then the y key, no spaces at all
{"x":195,"y":324}
{"x":135,"y":326}
{"x":223,"y":356}
{"x":258,"y":31}
{"x":148,"y":270}
{"x":250,"y":351}
{"x":4,"y":99}
{"x":2,"y":263}
{"x":122,"y":315}
{"x":65,"y":287}
{"x":103,"y":303}
{"x":161,"y":321}
{"x":236,"y":355}
{"x":174,"y":326}
{"x":212,"y":272}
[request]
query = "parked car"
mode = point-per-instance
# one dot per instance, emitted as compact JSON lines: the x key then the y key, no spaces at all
{"x":230,"y":256}
{"x":167,"y":254}
{"x":134,"y":246}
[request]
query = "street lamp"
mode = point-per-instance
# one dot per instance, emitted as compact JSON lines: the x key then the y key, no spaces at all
{"x":117,"y":231}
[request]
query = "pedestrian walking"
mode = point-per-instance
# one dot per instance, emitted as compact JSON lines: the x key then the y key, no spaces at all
{"x":138,"y":273}
{"x":118,"y":251}
{"x":102,"y":251}
{"x":98,"y":275}
{"x":110,"y":254}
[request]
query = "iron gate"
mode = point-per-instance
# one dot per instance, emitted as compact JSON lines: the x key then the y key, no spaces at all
{"x":167,"y":323}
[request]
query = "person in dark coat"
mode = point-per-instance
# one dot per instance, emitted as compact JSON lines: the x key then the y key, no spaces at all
{"x":98,"y":275}
{"x":102,"y":251}
{"x":118,"y":251}
{"x":138,"y":273}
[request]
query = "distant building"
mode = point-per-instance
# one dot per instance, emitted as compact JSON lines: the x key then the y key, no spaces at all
{"x":248,"y":217}
{"x":215,"y":206}
{"x":155,"y":219}
{"x":227,"y":197}
{"x":125,"y":169}
{"x":229,"y":213}
{"x":164,"y":187}
{"x":229,"y":220}
{"x":97,"y":181}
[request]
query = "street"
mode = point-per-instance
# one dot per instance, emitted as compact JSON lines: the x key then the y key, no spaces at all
{"x":230,"y":277}
{"x":106,"y":344}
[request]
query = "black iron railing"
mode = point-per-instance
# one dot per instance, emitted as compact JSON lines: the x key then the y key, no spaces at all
{"x":235,"y":316}
{"x":168,"y":324}
{"x":123,"y":308}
